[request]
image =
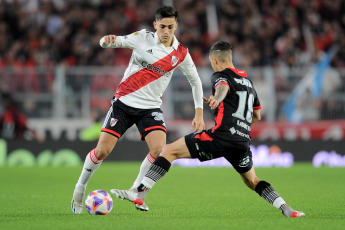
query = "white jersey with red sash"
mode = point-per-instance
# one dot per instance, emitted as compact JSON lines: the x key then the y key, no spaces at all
{"x":150,"y":70}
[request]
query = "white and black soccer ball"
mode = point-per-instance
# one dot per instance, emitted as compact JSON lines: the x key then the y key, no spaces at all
{"x":98,"y":202}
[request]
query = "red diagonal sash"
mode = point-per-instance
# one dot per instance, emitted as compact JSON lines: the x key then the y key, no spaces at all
{"x":143,"y":77}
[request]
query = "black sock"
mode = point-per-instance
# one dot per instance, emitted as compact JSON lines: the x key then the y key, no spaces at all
{"x":157,"y":170}
{"x":266,"y":191}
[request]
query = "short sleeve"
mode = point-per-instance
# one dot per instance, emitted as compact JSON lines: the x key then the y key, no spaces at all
{"x":219,"y":79}
{"x":256,"y":105}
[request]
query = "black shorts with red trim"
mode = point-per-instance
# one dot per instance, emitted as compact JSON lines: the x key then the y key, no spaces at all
{"x":121,"y":117}
{"x":205,"y":146}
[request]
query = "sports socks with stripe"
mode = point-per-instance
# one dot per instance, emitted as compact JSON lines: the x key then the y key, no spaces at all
{"x":91,"y":164}
{"x":144,"y":168}
{"x":157,"y":170}
{"x":266,"y":191}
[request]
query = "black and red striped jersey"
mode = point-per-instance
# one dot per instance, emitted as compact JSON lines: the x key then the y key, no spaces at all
{"x":233,"y":116}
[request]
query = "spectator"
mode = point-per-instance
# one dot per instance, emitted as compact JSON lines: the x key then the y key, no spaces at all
{"x":13,"y":124}
{"x":92,"y":132}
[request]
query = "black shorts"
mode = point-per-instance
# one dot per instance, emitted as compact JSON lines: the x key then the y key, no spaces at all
{"x":121,"y":117}
{"x":204,"y":146}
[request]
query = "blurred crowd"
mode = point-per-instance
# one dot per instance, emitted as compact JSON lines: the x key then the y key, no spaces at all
{"x":263,"y":32}
{"x":275,"y":33}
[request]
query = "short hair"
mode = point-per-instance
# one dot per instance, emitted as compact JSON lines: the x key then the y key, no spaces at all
{"x":166,"y":12}
{"x":222,"y":51}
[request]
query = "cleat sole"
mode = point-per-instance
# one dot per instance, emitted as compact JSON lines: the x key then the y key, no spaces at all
{"x":141,"y":209}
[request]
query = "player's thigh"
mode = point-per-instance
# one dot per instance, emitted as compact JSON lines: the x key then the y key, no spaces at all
{"x":105,"y":145}
{"x":202,"y":146}
{"x":176,"y":150}
{"x":240,"y":159}
{"x":115,"y":124}
{"x":150,"y":120}
{"x":118,"y":120}
{"x":155,"y":141}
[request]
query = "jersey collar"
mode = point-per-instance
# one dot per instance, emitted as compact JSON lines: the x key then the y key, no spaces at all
{"x":174,"y":44}
{"x":242,"y":73}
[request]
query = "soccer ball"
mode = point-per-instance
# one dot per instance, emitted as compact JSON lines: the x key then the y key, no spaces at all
{"x":98,"y":202}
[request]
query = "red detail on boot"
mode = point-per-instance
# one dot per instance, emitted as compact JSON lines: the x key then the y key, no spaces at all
{"x":138,"y":201}
{"x":294,"y":214}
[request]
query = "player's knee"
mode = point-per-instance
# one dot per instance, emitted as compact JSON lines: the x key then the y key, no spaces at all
{"x":167,"y":151}
{"x":156,"y":151}
{"x":102,"y":152}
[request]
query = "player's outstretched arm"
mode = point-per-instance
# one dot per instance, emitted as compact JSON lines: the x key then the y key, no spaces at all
{"x":218,"y":97}
{"x":189,"y":69}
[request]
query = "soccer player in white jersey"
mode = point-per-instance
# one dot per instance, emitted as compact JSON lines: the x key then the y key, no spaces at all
{"x":137,"y":98}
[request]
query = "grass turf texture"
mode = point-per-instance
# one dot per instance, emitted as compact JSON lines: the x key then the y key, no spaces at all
{"x":187,"y":198}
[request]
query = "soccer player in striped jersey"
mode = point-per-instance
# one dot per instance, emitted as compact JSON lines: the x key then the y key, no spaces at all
{"x":237,"y":107}
{"x":137,"y":99}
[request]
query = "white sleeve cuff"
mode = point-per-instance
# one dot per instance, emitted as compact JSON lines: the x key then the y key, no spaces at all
{"x":197,"y":95}
{"x":102,"y":42}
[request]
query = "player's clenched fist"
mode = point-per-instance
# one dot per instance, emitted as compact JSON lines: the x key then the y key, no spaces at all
{"x":109,"y":39}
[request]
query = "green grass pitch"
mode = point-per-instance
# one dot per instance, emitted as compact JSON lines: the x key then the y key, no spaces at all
{"x":186,"y":198}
